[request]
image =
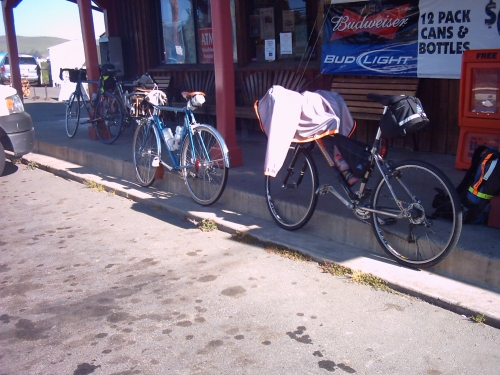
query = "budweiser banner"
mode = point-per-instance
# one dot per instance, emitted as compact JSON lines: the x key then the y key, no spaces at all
{"x":413,"y":38}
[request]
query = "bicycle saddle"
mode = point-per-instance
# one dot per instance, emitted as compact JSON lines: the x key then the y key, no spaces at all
{"x":190,"y":94}
{"x":385,"y":100}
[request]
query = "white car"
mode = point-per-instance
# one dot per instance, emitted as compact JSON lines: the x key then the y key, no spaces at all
{"x":28,"y":66}
{"x":17,"y":133}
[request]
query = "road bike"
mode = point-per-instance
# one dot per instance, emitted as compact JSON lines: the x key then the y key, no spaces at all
{"x":104,"y":109}
{"x":197,"y":150}
{"x":400,"y":206}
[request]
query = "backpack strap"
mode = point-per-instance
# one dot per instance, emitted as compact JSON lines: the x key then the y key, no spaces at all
{"x":474,"y":189}
{"x":471,"y":172}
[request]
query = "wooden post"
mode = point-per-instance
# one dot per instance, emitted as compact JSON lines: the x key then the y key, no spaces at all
{"x":87,"y":24}
{"x":224,"y":78}
{"x":13,"y":52}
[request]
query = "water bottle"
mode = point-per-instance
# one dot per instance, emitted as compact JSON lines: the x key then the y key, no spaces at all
{"x":169,"y":138}
{"x":344,"y":168}
{"x":178,"y":136}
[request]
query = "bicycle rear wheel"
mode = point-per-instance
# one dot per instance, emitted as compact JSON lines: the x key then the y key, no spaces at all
{"x":207,"y":175}
{"x":291,"y":196}
{"x":108,"y":121}
{"x":72,"y":115}
{"x":421,"y":240}
{"x":146,"y":146}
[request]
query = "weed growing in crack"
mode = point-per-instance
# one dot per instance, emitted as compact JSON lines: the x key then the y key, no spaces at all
{"x":355,"y":275}
{"x":477,"y":318}
{"x":94,"y":186}
{"x":286,"y":252}
{"x":335,"y":269}
{"x":32,"y":165}
{"x":207,"y":225}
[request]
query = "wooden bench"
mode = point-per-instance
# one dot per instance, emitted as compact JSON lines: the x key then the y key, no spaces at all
{"x":162,"y":81}
{"x":203,"y":81}
{"x":354,"y":89}
{"x":257,"y":84}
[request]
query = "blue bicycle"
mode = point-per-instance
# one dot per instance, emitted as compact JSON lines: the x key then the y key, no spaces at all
{"x":197,"y":150}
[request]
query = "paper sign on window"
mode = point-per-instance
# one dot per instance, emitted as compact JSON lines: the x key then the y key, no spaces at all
{"x":270,"y":50}
{"x":288,"y":20}
{"x":286,"y":43}
{"x":267,"y":23}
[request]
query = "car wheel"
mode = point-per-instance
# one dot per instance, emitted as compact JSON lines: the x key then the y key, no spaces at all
{"x":2,"y":159}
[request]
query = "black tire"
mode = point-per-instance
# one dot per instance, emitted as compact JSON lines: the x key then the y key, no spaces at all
{"x":207,"y":176}
{"x":108,"y":118}
{"x":292,"y":204}
{"x":146,"y":146}
{"x":422,"y":240}
{"x":2,"y":159}
{"x":72,"y":115}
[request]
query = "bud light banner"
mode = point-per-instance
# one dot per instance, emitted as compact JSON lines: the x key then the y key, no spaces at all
{"x":413,"y":38}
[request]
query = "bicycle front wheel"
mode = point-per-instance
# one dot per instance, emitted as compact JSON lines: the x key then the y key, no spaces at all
{"x":108,"y":120}
{"x":146,"y":147}
{"x":206,"y":173}
{"x":72,"y":115}
{"x":291,"y":196}
{"x":420,"y":239}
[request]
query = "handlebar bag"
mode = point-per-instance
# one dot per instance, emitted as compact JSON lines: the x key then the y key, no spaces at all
{"x":74,"y":73}
{"x":404,"y":117}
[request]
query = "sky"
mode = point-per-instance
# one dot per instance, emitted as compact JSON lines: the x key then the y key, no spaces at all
{"x":56,"y":18}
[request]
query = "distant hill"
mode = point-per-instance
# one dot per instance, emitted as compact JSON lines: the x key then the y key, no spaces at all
{"x":32,"y":45}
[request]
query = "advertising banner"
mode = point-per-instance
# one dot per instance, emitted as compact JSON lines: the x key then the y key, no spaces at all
{"x":413,"y":38}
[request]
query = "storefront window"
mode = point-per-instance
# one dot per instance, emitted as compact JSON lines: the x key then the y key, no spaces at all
{"x":279,"y":29}
{"x":187,"y":31}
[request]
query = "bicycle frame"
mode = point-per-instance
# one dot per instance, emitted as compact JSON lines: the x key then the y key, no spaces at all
{"x":189,"y":125}
{"x":355,"y":197}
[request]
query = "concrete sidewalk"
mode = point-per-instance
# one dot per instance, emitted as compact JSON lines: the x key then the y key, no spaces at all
{"x":467,"y":282}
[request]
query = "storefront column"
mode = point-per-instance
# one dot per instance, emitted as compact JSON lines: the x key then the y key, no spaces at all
{"x":224,"y":78}
{"x":10,"y":32}
{"x":89,"y":43}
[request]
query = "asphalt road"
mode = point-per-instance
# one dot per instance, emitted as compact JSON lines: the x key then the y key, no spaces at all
{"x":93,"y":283}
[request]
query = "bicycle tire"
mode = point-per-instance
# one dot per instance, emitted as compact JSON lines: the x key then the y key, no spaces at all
{"x":108,"y":121}
{"x":422,"y":240}
{"x":72,"y":115}
{"x":293,"y":202}
{"x":145,"y":147}
{"x":207,"y":177}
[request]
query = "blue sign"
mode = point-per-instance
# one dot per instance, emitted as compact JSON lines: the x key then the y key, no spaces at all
{"x":371,"y":38}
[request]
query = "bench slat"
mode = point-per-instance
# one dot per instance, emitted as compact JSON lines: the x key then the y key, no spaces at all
{"x":354,"y":89}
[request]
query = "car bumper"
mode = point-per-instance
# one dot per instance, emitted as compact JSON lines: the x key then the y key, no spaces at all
{"x":31,"y":79}
{"x":23,"y":140}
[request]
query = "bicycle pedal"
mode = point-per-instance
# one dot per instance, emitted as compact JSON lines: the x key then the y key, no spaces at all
{"x":156,"y":162}
{"x":388,"y":221}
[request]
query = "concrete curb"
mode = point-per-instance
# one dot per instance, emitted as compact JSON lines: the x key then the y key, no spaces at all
{"x":475,"y":267}
{"x":456,"y":296}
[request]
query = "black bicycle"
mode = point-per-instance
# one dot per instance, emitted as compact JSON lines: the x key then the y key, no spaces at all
{"x":400,"y":206}
{"x":104,"y":109}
